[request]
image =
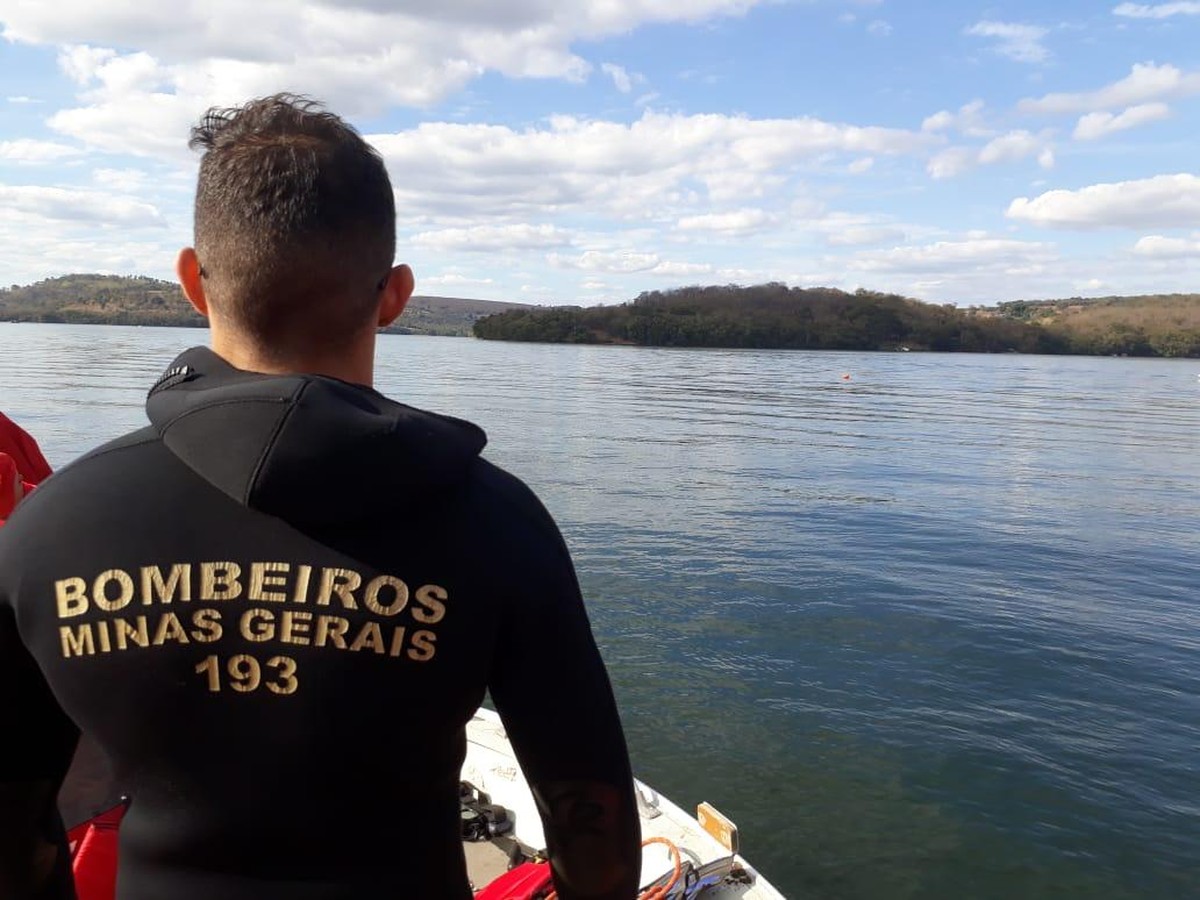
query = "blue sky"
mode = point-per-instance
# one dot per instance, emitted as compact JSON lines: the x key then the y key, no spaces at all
{"x":551,"y":151}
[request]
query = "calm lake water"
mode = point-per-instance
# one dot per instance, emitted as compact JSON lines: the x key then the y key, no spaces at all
{"x":930,"y":631}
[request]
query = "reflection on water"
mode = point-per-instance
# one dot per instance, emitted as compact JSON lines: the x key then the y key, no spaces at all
{"x":927,"y":632}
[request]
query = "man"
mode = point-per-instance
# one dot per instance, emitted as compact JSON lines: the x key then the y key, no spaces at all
{"x":277,"y":607}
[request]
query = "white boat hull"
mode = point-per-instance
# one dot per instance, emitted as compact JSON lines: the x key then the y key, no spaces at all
{"x":491,"y":767}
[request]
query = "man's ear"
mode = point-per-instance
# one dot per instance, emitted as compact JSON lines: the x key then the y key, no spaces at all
{"x":187,"y":268}
{"x":396,"y":293}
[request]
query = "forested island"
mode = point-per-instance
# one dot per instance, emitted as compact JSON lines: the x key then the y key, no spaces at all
{"x":120,"y":300}
{"x":765,"y":316}
{"x":774,"y":316}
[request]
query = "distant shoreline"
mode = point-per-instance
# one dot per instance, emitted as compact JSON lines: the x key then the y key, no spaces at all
{"x":767,"y":316}
{"x":776,"y":317}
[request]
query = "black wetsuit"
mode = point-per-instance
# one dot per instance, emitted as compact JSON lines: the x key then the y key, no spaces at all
{"x":275,"y":609}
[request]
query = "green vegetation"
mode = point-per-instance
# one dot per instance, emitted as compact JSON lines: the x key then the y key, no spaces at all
{"x":117,"y":300}
{"x":98,"y":300}
{"x":776,"y":316}
{"x":1163,"y":325}
{"x":773,"y":316}
{"x":768,"y":316}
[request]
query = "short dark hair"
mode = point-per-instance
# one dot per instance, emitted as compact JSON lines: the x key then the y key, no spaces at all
{"x":295,"y":223}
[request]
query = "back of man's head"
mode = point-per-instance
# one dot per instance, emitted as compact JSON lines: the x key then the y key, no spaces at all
{"x":295,"y":224}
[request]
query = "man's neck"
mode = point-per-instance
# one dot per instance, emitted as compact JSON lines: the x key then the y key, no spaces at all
{"x":355,"y":363}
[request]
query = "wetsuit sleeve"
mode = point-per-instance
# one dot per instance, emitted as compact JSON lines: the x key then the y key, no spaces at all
{"x":35,"y":753}
{"x":552,"y":692}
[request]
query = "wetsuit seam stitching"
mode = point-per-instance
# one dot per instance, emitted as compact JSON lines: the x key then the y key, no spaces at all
{"x":130,"y":446}
{"x":240,"y":400}
{"x":270,"y":443}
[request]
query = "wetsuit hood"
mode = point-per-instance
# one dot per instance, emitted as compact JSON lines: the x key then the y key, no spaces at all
{"x":306,"y":448}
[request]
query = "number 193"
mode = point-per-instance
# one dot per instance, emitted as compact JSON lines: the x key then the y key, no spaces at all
{"x":243,"y":673}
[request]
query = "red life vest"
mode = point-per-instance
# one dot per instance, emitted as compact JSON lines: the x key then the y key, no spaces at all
{"x":94,"y":855}
{"x":21,"y":465}
{"x":528,"y":881}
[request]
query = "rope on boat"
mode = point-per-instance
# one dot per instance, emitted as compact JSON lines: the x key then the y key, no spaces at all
{"x":661,"y":892}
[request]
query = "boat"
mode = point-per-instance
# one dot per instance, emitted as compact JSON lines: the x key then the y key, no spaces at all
{"x":683,"y":856}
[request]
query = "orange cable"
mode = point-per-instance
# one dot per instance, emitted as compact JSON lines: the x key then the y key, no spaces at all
{"x":654,"y":893}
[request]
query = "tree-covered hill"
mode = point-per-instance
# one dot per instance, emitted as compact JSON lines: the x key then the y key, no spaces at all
{"x":776,"y":316}
{"x":98,"y":299}
{"x":1158,"y":325}
{"x":773,"y":316}
{"x":120,"y":300}
{"x":769,"y":316}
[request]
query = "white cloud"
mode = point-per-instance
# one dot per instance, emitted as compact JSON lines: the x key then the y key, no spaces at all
{"x":1146,"y":82}
{"x":622,"y":261}
{"x":1164,"y":201}
{"x":952,"y":162}
{"x":493,"y":238}
{"x":681,"y":269}
{"x":1157,"y":11}
{"x":941,"y":254}
{"x":655,"y":166}
{"x":1011,"y":147}
{"x":1093,"y":126}
{"x":360,"y":55}
{"x":968,"y":120}
{"x":79,"y":206}
{"x":22,"y":100}
{"x":128,"y":180}
{"x":939,"y":121}
{"x":1019,"y":42}
{"x":620,"y":78}
{"x":864,"y":236}
{"x":1008,"y":148}
{"x":859,"y":166}
{"x":24,"y":150}
{"x":971,"y":269}
{"x":879,"y":28}
{"x":34,"y":250}
{"x":454,"y":279}
{"x":742,"y":220}
{"x":82,"y":63}
{"x":1159,"y":247}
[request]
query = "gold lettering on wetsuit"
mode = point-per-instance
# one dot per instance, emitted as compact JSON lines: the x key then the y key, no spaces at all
{"x":332,"y":630}
{"x":258,"y":625}
{"x":294,"y":626}
{"x":71,"y":594}
{"x":261,"y":579}
{"x":342,"y":582}
{"x":100,"y":590}
{"x":371,"y":597}
{"x":432,"y":598}
{"x":155,"y":587}
{"x":125,"y":633}
{"x":219,"y":581}
{"x":124,"y":611}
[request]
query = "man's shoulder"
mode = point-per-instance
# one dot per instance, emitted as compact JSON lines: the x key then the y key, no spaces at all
{"x":507,"y":505}
{"x":76,"y":481}
{"x":507,"y":492}
{"x":113,"y":453}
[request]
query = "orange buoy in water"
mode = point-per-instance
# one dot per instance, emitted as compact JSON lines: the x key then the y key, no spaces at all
{"x":845,"y":376}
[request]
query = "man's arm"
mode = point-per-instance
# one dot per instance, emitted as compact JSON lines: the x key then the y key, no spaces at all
{"x":551,"y":689}
{"x":34,"y":755}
